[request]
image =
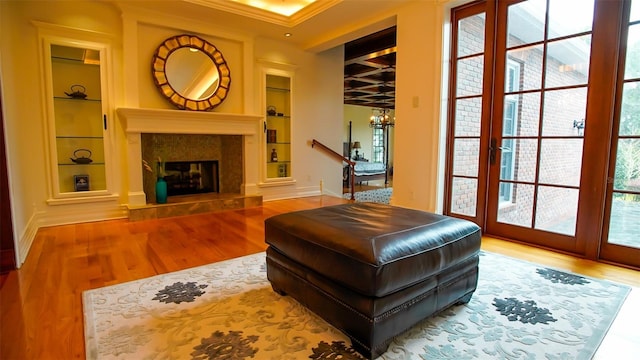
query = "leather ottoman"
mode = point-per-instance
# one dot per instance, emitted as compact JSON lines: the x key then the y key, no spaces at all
{"x":372,"y":270}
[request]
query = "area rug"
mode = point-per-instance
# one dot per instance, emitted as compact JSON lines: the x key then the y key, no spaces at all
{"x":228,"y":310}
{"x":381,"y":196}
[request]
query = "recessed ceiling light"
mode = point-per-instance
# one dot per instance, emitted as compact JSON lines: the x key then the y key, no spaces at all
{"x":282,"y":7}
{"x":287,"y":34}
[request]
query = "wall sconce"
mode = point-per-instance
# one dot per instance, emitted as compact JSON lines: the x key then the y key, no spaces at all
{"x":579,"y":124}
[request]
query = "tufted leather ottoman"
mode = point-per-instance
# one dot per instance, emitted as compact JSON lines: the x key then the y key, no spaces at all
{"x":372,"y":270}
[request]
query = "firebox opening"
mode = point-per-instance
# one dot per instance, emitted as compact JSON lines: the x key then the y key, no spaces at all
{"x":191,"y":177}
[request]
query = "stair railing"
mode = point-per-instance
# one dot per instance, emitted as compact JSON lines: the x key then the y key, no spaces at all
{"x":337,"y":156}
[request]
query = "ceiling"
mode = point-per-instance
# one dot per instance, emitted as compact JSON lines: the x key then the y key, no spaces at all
{"x":365,"y":27}
{"x":370,"y":70}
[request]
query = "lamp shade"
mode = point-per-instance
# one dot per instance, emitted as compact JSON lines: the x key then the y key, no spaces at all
{"x":356,"y":145}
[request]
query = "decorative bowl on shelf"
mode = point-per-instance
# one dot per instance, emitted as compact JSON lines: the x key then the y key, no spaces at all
{"x":271,"y":110}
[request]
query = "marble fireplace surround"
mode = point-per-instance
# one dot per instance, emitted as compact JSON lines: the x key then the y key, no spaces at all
{"x":136,"y":121}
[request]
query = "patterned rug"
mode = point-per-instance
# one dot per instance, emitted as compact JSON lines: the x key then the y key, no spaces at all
{"x":381,"y":196}
{"x":228,"y":310}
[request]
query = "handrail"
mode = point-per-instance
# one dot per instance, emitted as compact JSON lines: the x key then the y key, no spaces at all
{"x":337,"y":156}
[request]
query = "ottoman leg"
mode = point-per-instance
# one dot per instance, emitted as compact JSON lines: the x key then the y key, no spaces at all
{"x":278,"y":291}
{"x":465,"y":299}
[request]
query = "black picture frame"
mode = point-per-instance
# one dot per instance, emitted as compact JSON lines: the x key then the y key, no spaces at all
{"x":81,"y":182}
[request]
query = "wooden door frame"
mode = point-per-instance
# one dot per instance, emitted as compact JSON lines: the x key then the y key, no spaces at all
{"x":605,"y":250}
{"x":7,"y":244}
{"x":598,"y":142}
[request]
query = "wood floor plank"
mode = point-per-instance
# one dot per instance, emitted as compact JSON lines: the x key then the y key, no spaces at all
{"x":41,"y":307}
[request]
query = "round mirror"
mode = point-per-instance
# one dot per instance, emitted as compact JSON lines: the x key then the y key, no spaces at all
{"x":191,"y":73}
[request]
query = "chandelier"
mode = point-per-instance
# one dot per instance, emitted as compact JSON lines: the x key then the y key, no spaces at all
{"x":380,"y":119}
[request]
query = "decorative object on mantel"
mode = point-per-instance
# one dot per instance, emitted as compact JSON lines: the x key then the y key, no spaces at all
{"x":161,"y":183}
{"x":191,"y":73}
{"x":77,"y":92}
{"x":83,"y":160}
{"x":161,"y":191}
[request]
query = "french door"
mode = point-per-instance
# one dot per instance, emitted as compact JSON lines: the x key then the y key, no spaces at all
{"x":621,"y":242}
{"x":535,"y":124}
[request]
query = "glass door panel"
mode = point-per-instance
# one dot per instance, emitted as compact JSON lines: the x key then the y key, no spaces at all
{"x":622,"y":240}
{"x":464,"y":170}
{"x":534,"y":184}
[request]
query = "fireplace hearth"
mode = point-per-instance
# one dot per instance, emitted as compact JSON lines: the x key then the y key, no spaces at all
{"x":191,"y":177}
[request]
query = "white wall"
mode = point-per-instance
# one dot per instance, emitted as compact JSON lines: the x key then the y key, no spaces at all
{"x":317,"y":89}
{"x":419,"y":147}
{"x":23,"y":105}
{"x":318,"y":101}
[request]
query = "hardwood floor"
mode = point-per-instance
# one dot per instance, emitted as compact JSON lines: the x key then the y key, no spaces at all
{"x":40,"y":304}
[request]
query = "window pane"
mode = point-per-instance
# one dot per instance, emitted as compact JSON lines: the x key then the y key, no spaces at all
{"x":568,"y":62}
{"x":519,"y":210}
{"x":630,"y":111}
{"x":568,"y":17}
{"x":466,"y":157}
{"x":625,"y":219}
{"x":627,"y":165}
{"x":635,"y":10}
{"x":525,"y":22}
{"x":560,"y":161}
{"x":524,"y":154}
{"x":556,"y":210}
{"x":468,"y":115}
{"x":464,"y":196}
{"x":528,"y":113}
{"x":530,"y":60}
{"x":561,"y":109}
{"x":471,"y":35}
{"x":632,"y":64}
{"x":469,"y":76}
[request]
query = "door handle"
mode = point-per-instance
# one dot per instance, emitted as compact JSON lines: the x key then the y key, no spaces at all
{"x":492,"y":151}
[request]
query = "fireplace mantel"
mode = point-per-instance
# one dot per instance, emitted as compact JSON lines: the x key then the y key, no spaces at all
{"x":187,"y":122}
{"x":136,"y":121}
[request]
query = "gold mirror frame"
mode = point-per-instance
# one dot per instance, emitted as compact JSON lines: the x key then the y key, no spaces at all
{"x":160,"y":77}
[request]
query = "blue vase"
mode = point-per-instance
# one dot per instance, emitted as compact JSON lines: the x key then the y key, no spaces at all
{"x":161,"y":191}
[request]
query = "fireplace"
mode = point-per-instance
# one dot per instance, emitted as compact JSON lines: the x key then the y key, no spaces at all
{"x":238,"y":158}
{"x":219,"y":156}
{"x":191,"y":177}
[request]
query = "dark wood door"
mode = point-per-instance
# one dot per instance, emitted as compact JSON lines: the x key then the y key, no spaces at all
{"x":544,"y":127}
{"x":7,"y":247}
{"x":620,"y":237}
{"x":540,"y":104}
